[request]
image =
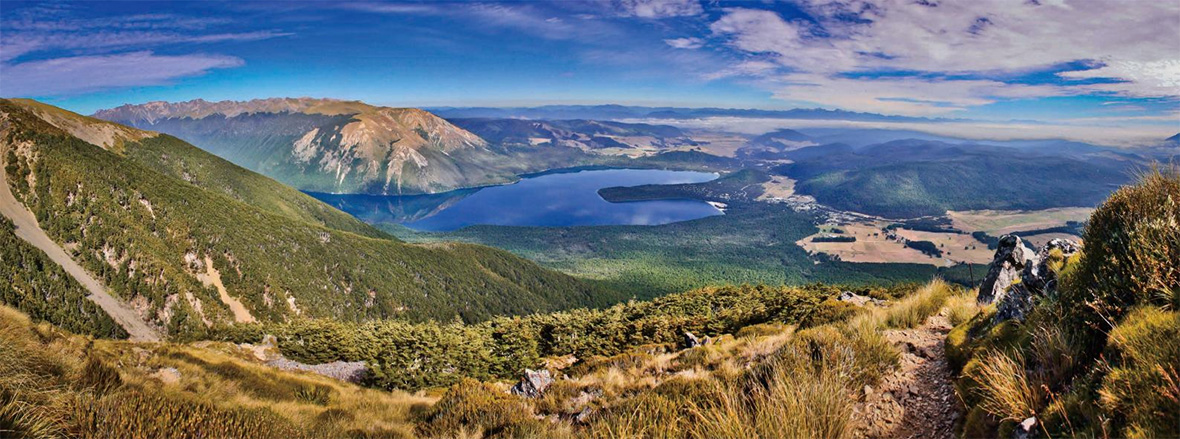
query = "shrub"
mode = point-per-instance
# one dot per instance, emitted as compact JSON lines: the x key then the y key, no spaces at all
{"x":472,"y":406}
{"x":1132,"y":245}
{"x":1143,"y":390}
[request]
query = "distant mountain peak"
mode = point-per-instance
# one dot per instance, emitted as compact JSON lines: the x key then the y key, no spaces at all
{"x":341,"y":146}
{"x":1173,"y":139}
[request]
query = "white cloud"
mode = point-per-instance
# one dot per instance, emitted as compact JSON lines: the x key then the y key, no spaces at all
{"x":744,"y":68}
{"x":1118,"y":134}
{"x":658,"y":8}
{"x":79,"y":74}
{"x":685,"y":43}
{"x":902,"y":95}
{"x":1125,"y":41}
{"x":1139,"y":79}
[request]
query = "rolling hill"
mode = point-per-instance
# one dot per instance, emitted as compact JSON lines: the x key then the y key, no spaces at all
{"x":910,"y":178}
{"x":181,"y":236}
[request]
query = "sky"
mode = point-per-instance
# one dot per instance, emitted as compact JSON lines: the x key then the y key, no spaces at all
{"x":1084,"y":63}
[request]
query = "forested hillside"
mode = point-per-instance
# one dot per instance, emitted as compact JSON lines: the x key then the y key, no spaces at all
{"x":910,"y":178}
{"x":150,"y":228}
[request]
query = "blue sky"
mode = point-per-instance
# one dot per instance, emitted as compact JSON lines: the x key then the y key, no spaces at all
{"x":1086,"y":62}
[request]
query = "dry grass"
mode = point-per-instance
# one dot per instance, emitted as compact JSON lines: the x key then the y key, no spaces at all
{"x":1008,"y":392}
{"x":962,"y":306}
{"x":51,"y":381}
{"x":913,"y":310}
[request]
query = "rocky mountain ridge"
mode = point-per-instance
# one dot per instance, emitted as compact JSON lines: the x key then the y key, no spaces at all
{"x":327,"y":145}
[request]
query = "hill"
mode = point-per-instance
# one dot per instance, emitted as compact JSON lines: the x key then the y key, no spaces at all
{"x":910,"y":178}
{"x":581,"y":134}
{"x":181,"y":236}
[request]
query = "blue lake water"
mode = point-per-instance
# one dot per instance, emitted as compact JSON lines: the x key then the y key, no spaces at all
{"x":552,"y":200}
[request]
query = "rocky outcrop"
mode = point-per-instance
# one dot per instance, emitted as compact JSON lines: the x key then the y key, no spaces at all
{"x":1017,"y":275}
{"x":690,"y":341}
{"x":533,"y":383}
{"x":1011,"y":257}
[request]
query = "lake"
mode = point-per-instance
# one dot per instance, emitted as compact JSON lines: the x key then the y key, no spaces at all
{"x":552,"y":200}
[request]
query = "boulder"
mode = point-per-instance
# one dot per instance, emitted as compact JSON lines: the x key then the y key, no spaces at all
{"x":691,"y":341}
{"x":853,"y":298}
{"x":1010,"y":259}
{"x":1037,"y":279}
{"x":533,"y":383}
{"x":1025,"y":429}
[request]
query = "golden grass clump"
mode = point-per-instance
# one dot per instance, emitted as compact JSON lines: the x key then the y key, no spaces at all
{"x":1007,"y":390}
{"x":913,"y":310}
{"x":961,"y":307}
{"x":474,"y":408}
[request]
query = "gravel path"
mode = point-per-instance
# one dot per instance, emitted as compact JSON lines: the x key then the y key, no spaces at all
{"x":918,"y":399}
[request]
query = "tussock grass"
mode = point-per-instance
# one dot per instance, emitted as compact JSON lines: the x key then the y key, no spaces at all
{"x":962,"y":306}
{"x":1099,"y":356}
{"x":54,"y":384}
{"x":1009,"y":393}
{"x":913,"y":310}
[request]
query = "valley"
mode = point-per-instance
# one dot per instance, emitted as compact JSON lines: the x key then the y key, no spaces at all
{"x":656,"y":281}
{"x":589,"y":219}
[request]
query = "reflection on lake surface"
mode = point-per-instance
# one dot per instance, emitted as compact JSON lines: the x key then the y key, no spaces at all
{"x":558,"y":199}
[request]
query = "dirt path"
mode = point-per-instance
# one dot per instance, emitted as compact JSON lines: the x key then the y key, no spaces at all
{"x":917,"y":400}
{"x":212,"y":277}
{"x":28,"y":230}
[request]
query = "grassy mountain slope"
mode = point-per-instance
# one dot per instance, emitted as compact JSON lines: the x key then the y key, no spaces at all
{"x":57,"y":385}
{"x":147,"y":234}
{"x":1101,"y":356}
{"x":175,"y":158}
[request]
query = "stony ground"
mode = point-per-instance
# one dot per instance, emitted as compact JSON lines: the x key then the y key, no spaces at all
{"x":917,"y":400}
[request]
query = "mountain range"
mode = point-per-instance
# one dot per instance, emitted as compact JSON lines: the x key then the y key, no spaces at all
{"x":617,"y":112}
{"x":333,"y":146}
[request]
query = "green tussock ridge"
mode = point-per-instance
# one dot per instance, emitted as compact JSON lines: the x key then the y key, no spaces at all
{"x":1101,"y":357}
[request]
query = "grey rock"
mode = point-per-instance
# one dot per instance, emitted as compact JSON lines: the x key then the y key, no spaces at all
{"x":1036,"y":279}
{"x":691,"y":341}
{"x":1011,"y":257}
{"x":583,"y":415}
{"x":533,"y":383}
{"x":1025,"y":429}
{"x":349,"y":371}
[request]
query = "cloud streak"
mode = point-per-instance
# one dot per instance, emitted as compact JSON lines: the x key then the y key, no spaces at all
{"x":80,"y":74}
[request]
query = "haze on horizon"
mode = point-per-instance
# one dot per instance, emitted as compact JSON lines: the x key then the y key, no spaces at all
{"x":1088,"y":70}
